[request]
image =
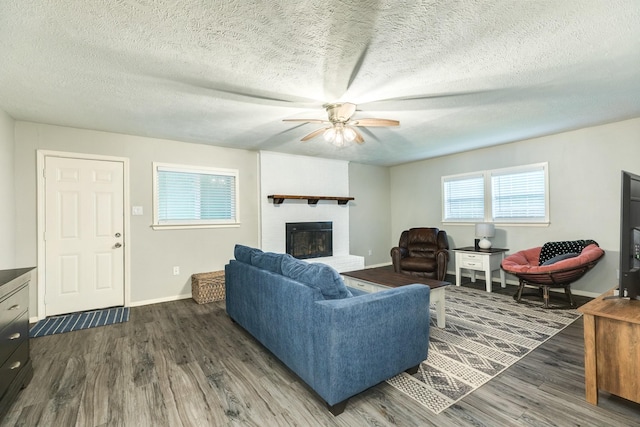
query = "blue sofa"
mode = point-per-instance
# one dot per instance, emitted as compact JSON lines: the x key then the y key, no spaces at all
{"x":338,"y":340}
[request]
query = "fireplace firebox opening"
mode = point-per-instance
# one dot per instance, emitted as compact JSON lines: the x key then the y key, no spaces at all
{"x":309,"y":239}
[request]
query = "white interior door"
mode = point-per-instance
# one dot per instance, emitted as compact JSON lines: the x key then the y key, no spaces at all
{"x":84,"y":227}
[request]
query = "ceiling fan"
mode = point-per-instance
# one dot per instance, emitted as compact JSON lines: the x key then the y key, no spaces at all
{"x":342,"y":128}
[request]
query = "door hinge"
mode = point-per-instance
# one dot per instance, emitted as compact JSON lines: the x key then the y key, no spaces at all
{"x":44,"y":173}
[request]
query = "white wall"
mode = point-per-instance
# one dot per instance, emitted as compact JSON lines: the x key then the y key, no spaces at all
{"x":584,"y":177}
{"x":7,"y":194}
{"x":370,"y":213}
{"x":305,"y":176}
{"x":153,"y":252}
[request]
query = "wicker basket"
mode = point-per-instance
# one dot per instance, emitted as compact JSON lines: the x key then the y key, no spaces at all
{"x":207,"y":287}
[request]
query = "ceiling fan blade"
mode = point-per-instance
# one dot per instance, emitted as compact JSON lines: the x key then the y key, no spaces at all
{"x":359,"y":139}
{"x":313,"y":134}
{"x":306,"y":120}
{"x":435,"y":100}
{"x":374,"y":122}
{"x":340,"y":112}
{"x":346,"y":110}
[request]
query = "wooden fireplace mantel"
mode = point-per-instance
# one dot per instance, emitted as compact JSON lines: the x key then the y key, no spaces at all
{"x":312,"y":200}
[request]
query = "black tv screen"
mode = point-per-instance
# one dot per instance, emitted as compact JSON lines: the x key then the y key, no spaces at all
{"x":630,"y":236}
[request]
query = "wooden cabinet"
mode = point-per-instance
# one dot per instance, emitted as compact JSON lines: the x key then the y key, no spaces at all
{"x":612,"y":347}
{"x":15,"y":364}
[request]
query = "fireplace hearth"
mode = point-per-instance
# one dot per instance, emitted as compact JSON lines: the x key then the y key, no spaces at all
{"x":309,"y":239}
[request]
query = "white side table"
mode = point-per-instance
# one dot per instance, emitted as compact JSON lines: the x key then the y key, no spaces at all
{"x":486,"y":260}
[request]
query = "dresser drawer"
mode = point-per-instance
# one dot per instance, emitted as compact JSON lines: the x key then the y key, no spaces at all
{"x":13,"y":306}
{"x":473,"y":261}
{"x":471,"y":257}
{"x":472,"y":264}
{"x":13,"y":335}
{"x":10,"y":369}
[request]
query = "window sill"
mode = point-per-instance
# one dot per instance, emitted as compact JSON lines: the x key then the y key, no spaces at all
{"x":501,"y":224}
{"x":192,"y":226}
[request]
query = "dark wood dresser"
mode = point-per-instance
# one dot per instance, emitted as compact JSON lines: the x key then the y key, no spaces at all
{"x":15,"y":364}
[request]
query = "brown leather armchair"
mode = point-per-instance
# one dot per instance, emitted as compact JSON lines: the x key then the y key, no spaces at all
{"x":422,"y":252}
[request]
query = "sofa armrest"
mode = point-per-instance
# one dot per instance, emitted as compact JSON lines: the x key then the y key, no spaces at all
{"x":363,"y":340}
{"x":397,"y":253}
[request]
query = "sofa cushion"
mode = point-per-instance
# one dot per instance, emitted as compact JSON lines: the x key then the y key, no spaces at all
{"x":269,"y":261}
{"x":316,"y":275}
{"x":560,"y":258}
{"x":243,"y":253}
{"x":419,"y":263}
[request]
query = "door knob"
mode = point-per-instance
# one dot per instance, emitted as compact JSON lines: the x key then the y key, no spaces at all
{"x":118,"y":245}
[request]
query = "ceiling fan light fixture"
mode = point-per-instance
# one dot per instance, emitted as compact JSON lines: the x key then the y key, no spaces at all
{"x":339,"y":135}
{"x":342,"y":128}
{"x":329,"y":134}
{"x":349,"y":134}
{"x":339,"y":140}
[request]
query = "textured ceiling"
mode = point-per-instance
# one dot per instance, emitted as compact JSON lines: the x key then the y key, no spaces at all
{"x":458,"y":74}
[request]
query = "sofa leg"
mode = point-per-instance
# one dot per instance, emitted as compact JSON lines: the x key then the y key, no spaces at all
{"x":412,"y":370}
{"x":338,"y":408}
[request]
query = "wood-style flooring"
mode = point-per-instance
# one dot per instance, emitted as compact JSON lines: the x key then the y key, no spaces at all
{"x":184,"y":364}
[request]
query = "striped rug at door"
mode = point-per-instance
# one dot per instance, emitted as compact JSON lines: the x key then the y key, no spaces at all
{"x":78,"y":321}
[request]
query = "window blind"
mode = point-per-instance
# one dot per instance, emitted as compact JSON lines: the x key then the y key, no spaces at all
{"x":464,"y":198}
{"x":519,"y":195}
{"x":195,"y":197}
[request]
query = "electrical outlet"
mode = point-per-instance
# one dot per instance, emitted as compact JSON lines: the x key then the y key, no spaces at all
{"x":369,"y":252}
{"x":176,"y":270}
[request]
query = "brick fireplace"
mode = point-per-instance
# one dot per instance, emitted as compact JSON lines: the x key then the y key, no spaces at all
{"x":302,"y":175}
{"x":309,"y":239}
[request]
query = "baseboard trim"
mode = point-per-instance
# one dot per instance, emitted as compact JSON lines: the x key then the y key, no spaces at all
{"x":159,"y":300}
{"x":384,"y":264}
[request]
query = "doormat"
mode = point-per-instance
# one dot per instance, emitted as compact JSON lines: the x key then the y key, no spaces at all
{"x":486,"y":333}
{"x":77,"y":321}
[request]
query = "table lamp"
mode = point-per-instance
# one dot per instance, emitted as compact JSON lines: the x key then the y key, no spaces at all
{"x":484,"y":230}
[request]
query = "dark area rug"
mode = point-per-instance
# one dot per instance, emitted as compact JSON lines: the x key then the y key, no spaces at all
{"x":78,"y":321}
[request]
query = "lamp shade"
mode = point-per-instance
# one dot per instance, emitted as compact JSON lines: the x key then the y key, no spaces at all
{"x":485,"y":230}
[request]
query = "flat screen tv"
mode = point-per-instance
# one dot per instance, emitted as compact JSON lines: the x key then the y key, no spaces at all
{"x":629,"y":285}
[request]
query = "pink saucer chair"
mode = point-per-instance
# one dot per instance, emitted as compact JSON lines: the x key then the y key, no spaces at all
{"x":562,"y":264}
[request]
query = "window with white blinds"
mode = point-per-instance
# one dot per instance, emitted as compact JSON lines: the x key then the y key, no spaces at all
{"x":190,"y":196}
{"x":512,"y":195}
{"x":519,"y":195}
{"x":463,"y":198}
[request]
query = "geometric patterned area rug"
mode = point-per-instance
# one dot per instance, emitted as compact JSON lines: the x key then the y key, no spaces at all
{"x":485,"y":334}
{"x":77,"y":321}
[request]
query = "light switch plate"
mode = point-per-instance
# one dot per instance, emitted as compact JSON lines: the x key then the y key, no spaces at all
{"x":136,"y":210}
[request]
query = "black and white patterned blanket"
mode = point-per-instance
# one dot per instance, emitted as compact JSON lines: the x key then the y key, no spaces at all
{"x":553,"y":249}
